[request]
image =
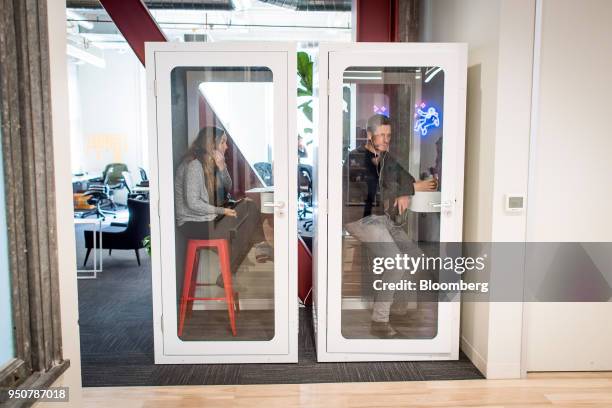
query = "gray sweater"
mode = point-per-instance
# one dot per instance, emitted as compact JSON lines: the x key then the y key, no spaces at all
{"x":191,"y":199}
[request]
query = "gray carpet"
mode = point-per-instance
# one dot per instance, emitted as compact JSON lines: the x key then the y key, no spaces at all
{"x":117,"y":342}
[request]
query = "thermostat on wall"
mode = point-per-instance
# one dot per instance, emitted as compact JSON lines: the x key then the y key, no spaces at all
{"x":515,"y":202}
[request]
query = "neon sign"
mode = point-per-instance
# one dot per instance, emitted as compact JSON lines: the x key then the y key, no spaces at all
{"x":425,"y":118}
{"x":381,"y":110}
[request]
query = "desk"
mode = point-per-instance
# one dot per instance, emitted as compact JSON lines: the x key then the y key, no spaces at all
{"x":81,"y":182}
{"x":97,"y":249}
{"x":140,"y":190}
{"x":84,"y":177}
{"x":262,"y":196}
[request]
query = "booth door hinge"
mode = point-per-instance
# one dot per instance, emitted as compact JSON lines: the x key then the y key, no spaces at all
{"x":328,"y":88}
{"x":161,"y":319}
{"x":155,"y":88}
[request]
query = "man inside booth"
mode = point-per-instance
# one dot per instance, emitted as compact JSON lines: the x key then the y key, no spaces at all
{"x":385,"y":193}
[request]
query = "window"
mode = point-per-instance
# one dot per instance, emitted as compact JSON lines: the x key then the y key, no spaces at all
{"x":7,"y":350}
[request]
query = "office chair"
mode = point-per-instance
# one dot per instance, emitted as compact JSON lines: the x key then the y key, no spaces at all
{"x":101,"y":189}
{"x":305,"y":190}
{"x":120,"y":236}
{"x":144,"y":180}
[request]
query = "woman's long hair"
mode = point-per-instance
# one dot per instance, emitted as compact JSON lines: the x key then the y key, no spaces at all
{"x":202,"y":150}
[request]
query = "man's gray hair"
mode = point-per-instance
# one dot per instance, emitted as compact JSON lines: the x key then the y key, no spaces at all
{"x":375,"y":121}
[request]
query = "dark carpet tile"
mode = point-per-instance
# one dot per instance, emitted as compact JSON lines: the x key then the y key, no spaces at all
{"x":285,"y":373}
{"x":449,"y":370}
{"x":108,"y":375}
{"x":196,"y":374}
{"x":112,"y":359}
{"x":376,"y":371}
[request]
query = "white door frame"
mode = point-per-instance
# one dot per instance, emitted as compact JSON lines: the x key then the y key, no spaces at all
{"x":331,"y":345}
{"x":281,"y":59}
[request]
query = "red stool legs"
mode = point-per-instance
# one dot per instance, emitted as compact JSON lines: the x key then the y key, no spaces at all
{"x":190,"y":281}
{"x":189,"y":267}
{"x":193,"y":283}
{"x":226,"y":272}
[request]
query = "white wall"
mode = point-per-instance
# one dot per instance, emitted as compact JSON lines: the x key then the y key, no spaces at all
{"x":500,"y":38}
{"x":56,"y":12}
{"x":107,"y":112}
{"x":571,"y":191}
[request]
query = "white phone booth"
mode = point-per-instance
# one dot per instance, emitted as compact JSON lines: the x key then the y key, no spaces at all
{"x":416,"y":93}
{"x":224,"y":263}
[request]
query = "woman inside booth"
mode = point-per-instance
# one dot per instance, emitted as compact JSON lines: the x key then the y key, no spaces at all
{"x":203,"y":208}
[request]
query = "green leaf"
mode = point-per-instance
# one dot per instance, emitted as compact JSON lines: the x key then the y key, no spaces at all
{"x":305,"y":104}
{"x":304,"y":92}
{"x":304,"y":67}
{"x":307,"y":109}
{"x":146,"y":242}
{"x":307,"y":112}
{"x":307,"y":130}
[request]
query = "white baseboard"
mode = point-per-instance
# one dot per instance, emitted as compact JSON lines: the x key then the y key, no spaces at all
{"x":491,"y":371}
{"x":474,"y":356}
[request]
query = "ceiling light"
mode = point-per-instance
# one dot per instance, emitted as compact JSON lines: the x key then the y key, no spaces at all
{"x":242,"y":5}
{"x":362,"y":72}
{"x":361,"y":78}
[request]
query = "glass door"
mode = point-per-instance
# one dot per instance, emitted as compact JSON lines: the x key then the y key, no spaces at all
{"x":395,"y":180}
{"x":225,"y":236}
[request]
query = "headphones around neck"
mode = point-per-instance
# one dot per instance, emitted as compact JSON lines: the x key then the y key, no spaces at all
{"x":376,"y":152}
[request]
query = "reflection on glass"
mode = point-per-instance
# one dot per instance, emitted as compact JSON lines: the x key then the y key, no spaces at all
{"x":7,"y":350}
{"x":222,"y":132}
{"x":392,"y":169}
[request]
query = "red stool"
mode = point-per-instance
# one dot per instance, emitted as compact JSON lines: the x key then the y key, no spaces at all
{"x":191,"y":276}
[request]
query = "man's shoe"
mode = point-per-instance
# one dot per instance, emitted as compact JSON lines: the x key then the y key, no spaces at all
{"x":402,"y":309}
{"x":383,"y":330}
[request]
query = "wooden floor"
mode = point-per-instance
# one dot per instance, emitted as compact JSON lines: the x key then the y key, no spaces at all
{"x":538,"y":390}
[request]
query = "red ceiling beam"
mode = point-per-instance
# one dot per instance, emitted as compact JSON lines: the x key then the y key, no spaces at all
{"x":135,"y":22}
{"x":376,"y":20}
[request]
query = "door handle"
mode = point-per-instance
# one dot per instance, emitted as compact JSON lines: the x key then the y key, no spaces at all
{"x":441,"y":204}
{"x":278,"y":204}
